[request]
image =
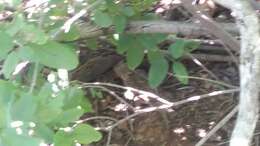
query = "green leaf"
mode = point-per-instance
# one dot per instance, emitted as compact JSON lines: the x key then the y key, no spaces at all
{"x":68,"y":116}
{"x":3,"y":115}
{"x":102,"y":19}
{"x":7,"y":92}
{"x":124,"y":43}
{"x":43,"y":131}
{"x":112,"y":7}
{"x":191,"y":45}
{"x":24,"y":108}
{"x":180,"y":72}
{"x":6,"y":42}
{"x":134,"y":56}
{"x":16,"y":25}
{"x":91,"y":43}
{"x":63,"y":138}
{"x":177,"y":49}
{"x":56,"y":55}
{"x":120,"y":23}
{"x":72,"y":35}
{"x":49,"y":109}
{"x":10,"y":63}
{"x":10,"y":138}
{"x":85,"y":134}
{"x":158,"y":69}
{"x":154,"y":56}
{"x":31,"y":33}
{"x":150,"y":41}
{"x":128,"y":11}
{"x":27,"y":53}
{"x":75,"y":97}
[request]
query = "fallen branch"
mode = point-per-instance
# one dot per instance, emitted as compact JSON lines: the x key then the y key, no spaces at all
{"x":213,"y":28}
{"x":87,"y":30}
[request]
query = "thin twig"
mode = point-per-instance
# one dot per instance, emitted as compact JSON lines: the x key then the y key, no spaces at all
{"x":218,"y":126}
{"x":196,"y":61}
{"x":111,"y":93}
{"x":208,"y":80}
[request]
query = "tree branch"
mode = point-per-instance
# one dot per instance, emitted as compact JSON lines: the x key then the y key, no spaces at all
{"x":87,"y":30}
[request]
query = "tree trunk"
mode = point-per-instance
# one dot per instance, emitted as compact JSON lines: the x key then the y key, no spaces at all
{"x":248,"y":24}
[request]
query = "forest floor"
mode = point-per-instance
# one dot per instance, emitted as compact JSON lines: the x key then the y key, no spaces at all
{"x":183,"y":124}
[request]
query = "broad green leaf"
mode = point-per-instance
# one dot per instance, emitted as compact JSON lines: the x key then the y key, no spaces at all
{"x":27,"y":53}
{"x":16,"y":25}
{"x":112,"y":7}
{"x":68,"y":116}
{"x":6,"y":42}
{"x":72,"y":35}
{"x":128,"y":11}
{"x":7,"y":96}
{"x":177,"y":49}
{"x":43,"y":131}
{"x":49,"y":109}
{"x":24,"y":108}
{"x":180,"y":72}
{"x":124,"y":43}
{"x":9,"y":137}
{"x":158,"y":69}
{"x":10,"y":63}
{"x":120,"y":23}
{"x":134,"y":56}
{"x":102,"y":19}
{"x":31,"y":33}
{"x":191,"y":45}
{"x":151,"y":41}
{"x":56,"y":55}
{"x":147,"y":42}
{"x":7,"y":91}
{"x":47,"y":114}
{"x":63,"y":138}
{"x":85,"y":134}
{"x":75,"y":97}
{"x":45,"y":92}
{"x":154,"y":56}
{"x":3,"y":115}
{"x":91,"y":43}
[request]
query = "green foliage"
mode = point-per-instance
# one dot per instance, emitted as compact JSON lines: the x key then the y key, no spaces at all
{"x":82,"y":133}
{"x":120,"y":23}
{"x":6,"y":42}
{"x":158,"y":70}
{"x":102,"y":19}
{"x":134,"y":56}
{"x":10,"y":63}
{"x":177,"y":49}
{"x":180,"y":72}
{"x":56,"y":55}
{"x":45,"y":111}
{"x":38,"y":37}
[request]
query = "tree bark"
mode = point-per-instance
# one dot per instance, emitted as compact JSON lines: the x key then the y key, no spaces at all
{"x":248,"y":23}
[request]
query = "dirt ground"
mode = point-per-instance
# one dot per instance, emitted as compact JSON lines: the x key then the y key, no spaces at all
{"x":181,"y":125}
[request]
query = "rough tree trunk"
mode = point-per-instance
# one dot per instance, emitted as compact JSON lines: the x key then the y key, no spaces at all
{"x":248,"y":24}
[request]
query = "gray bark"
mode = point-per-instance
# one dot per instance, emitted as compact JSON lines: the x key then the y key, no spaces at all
{"x":248,"y":24}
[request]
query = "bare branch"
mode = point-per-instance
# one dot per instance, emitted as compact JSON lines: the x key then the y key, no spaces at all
{"x":87,"y":30}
